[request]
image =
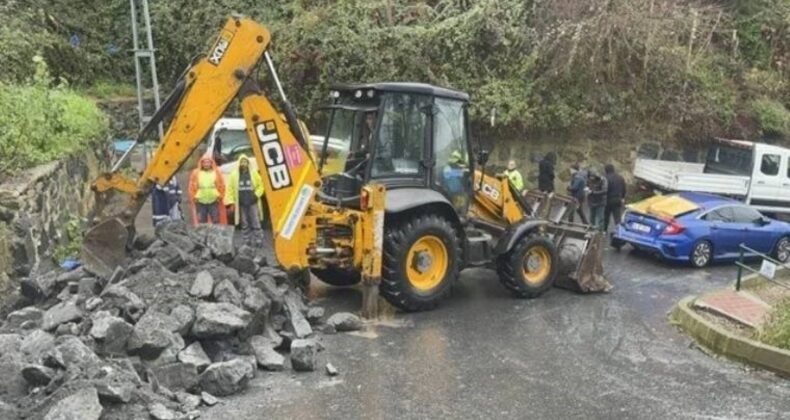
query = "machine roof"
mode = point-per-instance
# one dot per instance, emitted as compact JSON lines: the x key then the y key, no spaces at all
{"x":406,"y":87}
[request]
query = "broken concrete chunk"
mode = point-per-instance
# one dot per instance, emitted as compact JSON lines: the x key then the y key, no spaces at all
{"x":170,"y":353}
{"x":226,"y":378}
{"x":344,"y":321}
{"x":115,"y":385}
{"x":131,"y":306}
{"x":93,"y":303}
{"x":255,"y":300}
{"x":71,"y":353}
{"x":177,"y":376}
{"x":314,"y":314}
{"x":38,"y":375}
{"x":219,"y":319}
{"x":61,"y":313}
{"x":17,"y":318}
{"x":303,"y":354}
{"x":69,"y":328}
{"x":331,"y":370}
{"x":88,"y":287}
{"x":81,"y":405}
{"x":244,"y":261}
{"x":158,"y":411}
{"x":297,"y":322}
{"x":184,"y":317}
{"x":152,"y":334}
{"x":226,"y":292}
{"x":37,"y":343}
{"x":219,"y":240}
{"x":194,"y":355}
{"x":188,"y":401}
{"x":203,"y":285}
{"x":265,"y":355}
{"x":112,"y":334}
{"x":208,"y":399}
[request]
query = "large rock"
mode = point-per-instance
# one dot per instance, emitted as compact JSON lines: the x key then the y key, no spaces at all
{"x":158,"y":411}
{"x":226,"y":378}
{"x":81,"y":405}
{"x":29,"y":314}
{"x":265,"y":355}
{"x":38,"y":375}
{"x":203,"y":285}
{"x":184,"y":316}
{"x":176,"y":233}
{"x":9,"y":344}
{"x":37,"y":343}
{"x":303,"y":354}
{"x":177,"y":376}
{"x":297,"y":322}
{"x":60,"y":314}
{"x":170,"y":257}
{"x":218,"y":319}
{"x":219,"y":240}
{"x":131,"y":306}
{"x":344,"y":321}
{"x":71,"y":353}
{"x":244,"y":261}
{"x":255,"y":300}
{"x":115,"y":385}
{"x":194,"y":355}
{"x":170,"y":353}
{"x":152,"y":334}
{"x":39,"y":288}
{"x":226,"y":292}
{"x":111,"y":333}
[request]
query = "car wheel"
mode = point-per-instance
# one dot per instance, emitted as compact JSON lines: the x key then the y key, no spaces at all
{"x":701,"y":254}
{"x":616,"y":243}
{"x":782,"y":251}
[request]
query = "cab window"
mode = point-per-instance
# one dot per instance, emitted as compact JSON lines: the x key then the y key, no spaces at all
{"x":770,"y":164}
{"x":451,"y":171}
{"x":401,"y":137}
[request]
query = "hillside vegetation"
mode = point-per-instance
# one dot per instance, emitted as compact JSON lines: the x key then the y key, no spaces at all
{"x":691,"y":69}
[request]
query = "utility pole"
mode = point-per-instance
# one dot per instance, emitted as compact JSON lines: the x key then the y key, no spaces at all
{"x":143,"y":50}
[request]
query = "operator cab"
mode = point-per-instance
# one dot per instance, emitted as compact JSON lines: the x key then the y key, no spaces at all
{"x":401,"y":135}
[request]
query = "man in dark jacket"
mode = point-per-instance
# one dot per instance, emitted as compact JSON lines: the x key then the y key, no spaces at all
{"x":546,"y":172}
{"x":578,"y":189}
{"x":615,"y":196}
{"x":596,"y":200}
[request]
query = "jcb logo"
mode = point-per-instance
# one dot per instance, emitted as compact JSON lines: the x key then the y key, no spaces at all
{"x":273,"y":156}
{"x":220,"y":48}
{"x":490,"y":191}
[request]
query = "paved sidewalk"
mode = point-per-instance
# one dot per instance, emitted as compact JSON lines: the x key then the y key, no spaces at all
{"x":739,"y":306}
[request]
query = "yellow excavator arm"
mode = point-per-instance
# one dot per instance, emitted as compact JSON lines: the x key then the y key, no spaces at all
{"x":284,"y":159}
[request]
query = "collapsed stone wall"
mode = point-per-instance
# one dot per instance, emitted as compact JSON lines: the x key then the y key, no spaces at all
{"x":36,"y":205}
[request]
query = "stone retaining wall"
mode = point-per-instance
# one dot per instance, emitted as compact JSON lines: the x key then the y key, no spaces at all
{"x":35,"y":206}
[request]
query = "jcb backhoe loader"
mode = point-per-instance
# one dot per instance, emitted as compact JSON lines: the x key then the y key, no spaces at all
{"x":409,"y":211}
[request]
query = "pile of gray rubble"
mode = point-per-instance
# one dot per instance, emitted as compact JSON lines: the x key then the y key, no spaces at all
{"x":192,"y":319}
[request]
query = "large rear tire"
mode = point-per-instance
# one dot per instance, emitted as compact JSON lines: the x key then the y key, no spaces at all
{"x":335,"y":276}
{"x":421,"y":262}
{"x":529,"y":269}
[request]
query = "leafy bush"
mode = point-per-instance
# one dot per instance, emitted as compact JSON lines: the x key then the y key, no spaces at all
{"x":777,"y":331}
{"x":773,"y":117}
{"x":41,"y":123}
{"x":72,"y":241}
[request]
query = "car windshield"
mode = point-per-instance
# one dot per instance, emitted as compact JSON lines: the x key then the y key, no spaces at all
{"x":231,"y":141}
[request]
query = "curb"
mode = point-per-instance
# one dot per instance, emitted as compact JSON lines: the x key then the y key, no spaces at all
{"x":720,"y":341}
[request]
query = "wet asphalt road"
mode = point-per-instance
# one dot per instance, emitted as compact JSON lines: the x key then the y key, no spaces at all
{"x":484,"y":354}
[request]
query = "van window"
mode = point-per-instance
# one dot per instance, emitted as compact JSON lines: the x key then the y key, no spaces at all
{"x":770,"y":164}
{"x":728,"y":160}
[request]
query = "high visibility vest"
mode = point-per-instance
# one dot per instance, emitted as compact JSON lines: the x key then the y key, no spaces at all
{"x":207,"y":187}
{"x":515,"y":178}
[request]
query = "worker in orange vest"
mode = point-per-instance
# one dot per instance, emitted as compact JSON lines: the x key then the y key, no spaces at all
{"x":206,"y":192}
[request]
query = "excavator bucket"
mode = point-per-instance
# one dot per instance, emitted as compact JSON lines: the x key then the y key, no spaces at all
{"x":104,"y":245}
{"x":579,"y":247}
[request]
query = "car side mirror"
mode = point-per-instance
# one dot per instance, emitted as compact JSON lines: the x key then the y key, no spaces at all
{"x":763,"y":221}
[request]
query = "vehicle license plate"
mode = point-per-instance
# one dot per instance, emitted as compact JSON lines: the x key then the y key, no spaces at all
{"x":640,"y":227}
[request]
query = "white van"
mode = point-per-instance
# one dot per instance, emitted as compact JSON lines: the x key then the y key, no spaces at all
{"x":756,"y":173}
{"x":228,"y":140}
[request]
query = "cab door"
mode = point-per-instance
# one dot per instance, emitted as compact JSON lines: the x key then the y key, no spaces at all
{"x":452,"y":164}
{"x":767,"y":177}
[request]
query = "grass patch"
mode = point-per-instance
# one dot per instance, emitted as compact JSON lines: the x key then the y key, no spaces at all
{"x":107,"y":89}
{"x":776,"y":331}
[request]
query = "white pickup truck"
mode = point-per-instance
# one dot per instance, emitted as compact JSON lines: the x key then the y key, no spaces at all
{"x":756,"y":173}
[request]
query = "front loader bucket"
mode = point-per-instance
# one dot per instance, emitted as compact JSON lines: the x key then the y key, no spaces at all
{"x":104,"y":247}
{"x":581,"y":267}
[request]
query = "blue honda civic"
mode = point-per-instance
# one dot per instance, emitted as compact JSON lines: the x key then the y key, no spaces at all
{"x":699,"y":228}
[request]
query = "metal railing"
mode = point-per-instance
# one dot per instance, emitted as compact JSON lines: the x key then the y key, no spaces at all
{"x":754,"y":253}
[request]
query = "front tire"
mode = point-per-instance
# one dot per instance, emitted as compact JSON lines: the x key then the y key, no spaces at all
{"x":421,"y":262}
{"x":782,"y":250}
{"x":335,"y":276}
{"x":701,"y":254}
{"x":529,"y":269}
